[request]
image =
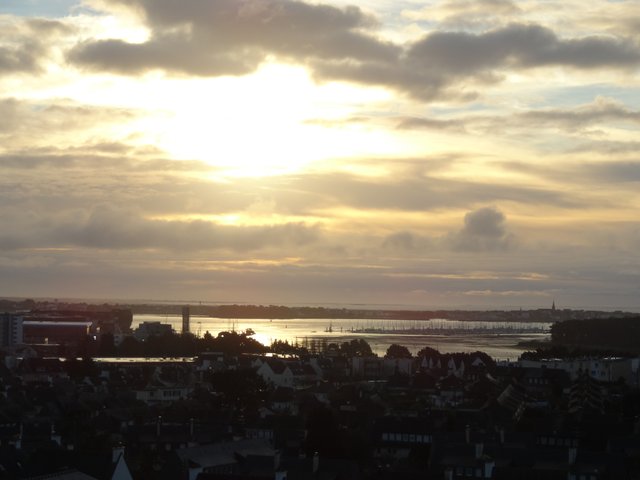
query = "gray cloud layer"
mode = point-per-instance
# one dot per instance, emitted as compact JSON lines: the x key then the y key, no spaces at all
{"x":106,"y":227}
{"x":233,"y":38}
{"x":100,"y":234}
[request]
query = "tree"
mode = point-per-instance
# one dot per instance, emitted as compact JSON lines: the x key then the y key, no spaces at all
{"x":428,"y":352}
{"x":234,"y":343}
{"x":397,"y":351}
{"x":285,"y":348}
{"x":357,"y":347}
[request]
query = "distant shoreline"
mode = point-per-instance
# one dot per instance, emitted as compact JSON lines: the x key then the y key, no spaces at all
{"x":322,"y":313}
{"x":245,"y":311}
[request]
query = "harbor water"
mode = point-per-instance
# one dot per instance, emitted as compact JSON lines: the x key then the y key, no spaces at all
{"x":497,"y":339}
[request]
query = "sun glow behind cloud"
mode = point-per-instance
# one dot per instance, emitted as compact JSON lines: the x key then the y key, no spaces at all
{"x":256,"y":125}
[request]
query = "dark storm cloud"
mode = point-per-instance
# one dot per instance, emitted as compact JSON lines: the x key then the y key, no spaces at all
{"x":229,"y":37}
{"x":484,"y":230}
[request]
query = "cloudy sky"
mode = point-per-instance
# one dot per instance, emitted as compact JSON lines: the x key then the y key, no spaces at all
{"x":435,"y":153}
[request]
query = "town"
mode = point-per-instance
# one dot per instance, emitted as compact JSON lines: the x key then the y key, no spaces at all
{"x":84,"y":397}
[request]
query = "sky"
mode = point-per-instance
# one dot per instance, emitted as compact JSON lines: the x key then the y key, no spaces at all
{"x":427,"y":154}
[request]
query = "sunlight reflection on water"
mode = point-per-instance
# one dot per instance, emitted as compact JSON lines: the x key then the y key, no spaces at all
{"x":500,"y":346}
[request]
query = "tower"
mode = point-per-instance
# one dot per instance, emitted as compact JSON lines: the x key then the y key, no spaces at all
{"x":185,"y":319}
{"x":11,"y":330}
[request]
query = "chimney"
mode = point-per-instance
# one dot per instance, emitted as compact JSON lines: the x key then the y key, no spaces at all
{"x":54,"y":436}
{"x":573,"y":453}
{"x":18,"y":442}
{"x":488,"y":468}
{"x":467,"y":434}
{"x":479,"y":449}
{"x":116,"y":452}
{"x":316,"y":462}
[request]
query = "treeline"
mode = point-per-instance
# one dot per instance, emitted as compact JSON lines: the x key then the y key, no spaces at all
{"x":617,"y":334}
{"x":231,"y":343}
{"x":176,"y":345}
{"x":247,"y":311}
{"x":356,"y":347}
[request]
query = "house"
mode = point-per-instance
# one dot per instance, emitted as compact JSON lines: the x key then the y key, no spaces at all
{"x":275,"y":371}
{"x":283,"y":401}
{"x":155,"y":395}
{"x":607,"y":369}
{"x":451,"y":391}
{"x":366,"y":367}
{"x":395,"y":437}
{"x":223,"y":457}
